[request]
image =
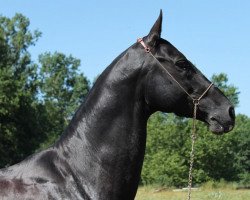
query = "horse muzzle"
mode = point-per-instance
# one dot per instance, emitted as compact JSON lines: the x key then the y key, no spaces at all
{"x":223,"y":122}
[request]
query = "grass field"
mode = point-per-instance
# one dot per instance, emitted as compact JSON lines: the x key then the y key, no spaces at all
{"x":150,"y":193}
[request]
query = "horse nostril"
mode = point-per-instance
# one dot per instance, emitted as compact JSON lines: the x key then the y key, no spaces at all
{"x":212,"y":118}
{"x":231,"y":112}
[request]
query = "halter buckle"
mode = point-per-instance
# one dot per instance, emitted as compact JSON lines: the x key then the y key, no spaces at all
{"x":140,"y":40}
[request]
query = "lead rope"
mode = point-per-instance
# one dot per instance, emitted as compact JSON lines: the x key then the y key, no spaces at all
{"x":196,"y":103}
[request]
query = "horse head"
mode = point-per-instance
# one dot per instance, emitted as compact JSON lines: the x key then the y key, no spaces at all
{"x":173,"y":83}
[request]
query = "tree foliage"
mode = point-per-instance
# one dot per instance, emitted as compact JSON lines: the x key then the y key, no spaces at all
{"x":29,"y":100}
{"x":62,"y":89}
{"x":18,"y":90}
{"x":232,"y":92}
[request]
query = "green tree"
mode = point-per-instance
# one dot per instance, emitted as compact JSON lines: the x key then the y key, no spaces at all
{"x":232,"y":92}
{"x":240,"y":147}
{"x":18,"y":90}
{"x":165,"y":161}
{"x":62,"y":88}
{"x":36,"y":100}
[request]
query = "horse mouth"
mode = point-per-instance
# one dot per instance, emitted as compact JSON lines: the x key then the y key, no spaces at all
{"x":215,"y":126}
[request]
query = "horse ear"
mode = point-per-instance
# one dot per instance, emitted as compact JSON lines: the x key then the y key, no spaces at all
{"x":155,"y":32}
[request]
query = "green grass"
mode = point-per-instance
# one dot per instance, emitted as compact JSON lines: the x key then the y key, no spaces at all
{"x":205,"y":193}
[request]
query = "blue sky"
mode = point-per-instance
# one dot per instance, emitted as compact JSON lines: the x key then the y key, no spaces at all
{"x":214,"y":35}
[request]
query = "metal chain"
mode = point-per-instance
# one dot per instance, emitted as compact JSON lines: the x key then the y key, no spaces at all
{"x":193,"y":137}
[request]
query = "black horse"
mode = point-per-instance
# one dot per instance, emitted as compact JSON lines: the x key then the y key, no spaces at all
{"x":100,"y":154}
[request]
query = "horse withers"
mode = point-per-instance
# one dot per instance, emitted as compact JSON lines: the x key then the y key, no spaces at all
{"x":100,"y":154}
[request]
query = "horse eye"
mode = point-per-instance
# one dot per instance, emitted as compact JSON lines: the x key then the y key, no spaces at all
{"x":162,"y":59}
{"x":183,"y":64}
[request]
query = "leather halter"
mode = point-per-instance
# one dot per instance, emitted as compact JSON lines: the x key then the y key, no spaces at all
{"x":196,"y":101}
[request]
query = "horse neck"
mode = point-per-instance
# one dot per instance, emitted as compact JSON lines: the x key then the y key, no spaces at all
{"x":109,"y":129}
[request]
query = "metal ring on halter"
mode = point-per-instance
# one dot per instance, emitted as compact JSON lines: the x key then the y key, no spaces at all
{"x":147,"y":50}
{"x":196,"y":102}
